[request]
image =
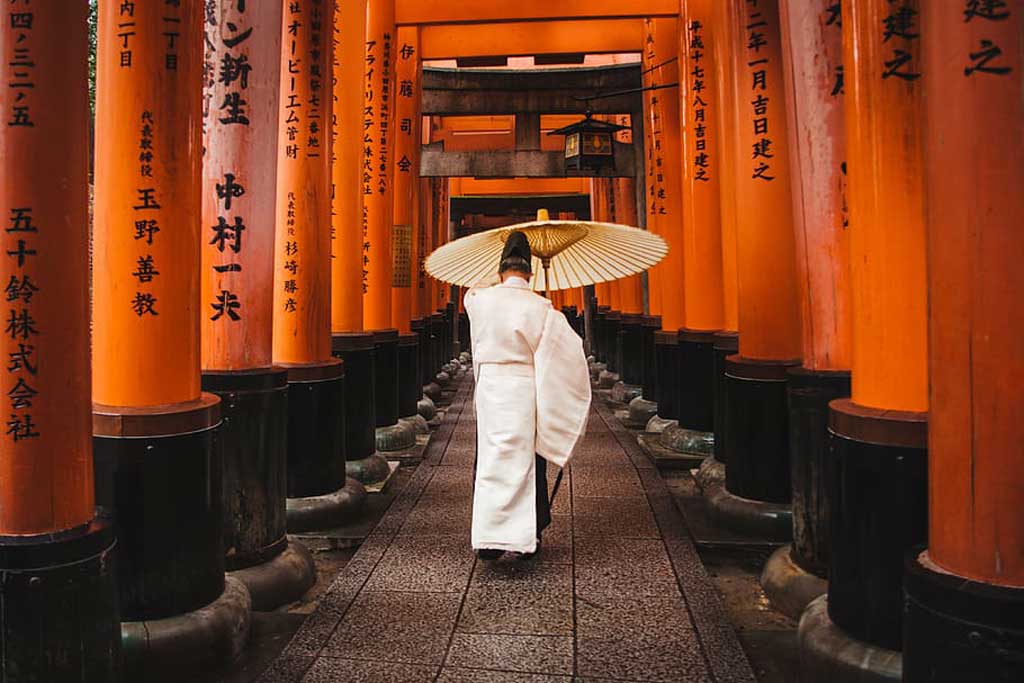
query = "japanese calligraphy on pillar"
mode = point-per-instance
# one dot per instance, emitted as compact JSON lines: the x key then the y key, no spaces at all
{"x":699,"y":99}
{"x":759,"y":65}
{"x":656,"y":185}
{"x":988,"y":58}
{"x":900,"y":34}
{"x":406,"y":178}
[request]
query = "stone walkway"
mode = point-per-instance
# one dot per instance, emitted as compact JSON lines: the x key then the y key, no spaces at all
{"x":617,"y":593}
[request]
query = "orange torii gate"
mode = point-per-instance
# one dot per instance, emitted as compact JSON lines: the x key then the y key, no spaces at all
{"x":55,"y":549}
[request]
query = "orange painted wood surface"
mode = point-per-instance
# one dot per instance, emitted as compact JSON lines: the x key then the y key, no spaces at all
{"x":471,"y":11}
{"x":813,"y":54}
{"x":664,"y":159}
{"x":148,"y":204}
{"x":240,"y":185}
{"x":769,"y":311}
{"x":702,"y":169}
{"x":380,"y":130}
{"x":406,"y":130}
{"x":724,"y":26}
{"x":513,"y":39}
{"x":302,"y":270}
{"x":973,"y":147}
{"x":882,"y":71}
{"x":630,"y":289}
{"x":46,"y":472}
{"x":348,"y":225}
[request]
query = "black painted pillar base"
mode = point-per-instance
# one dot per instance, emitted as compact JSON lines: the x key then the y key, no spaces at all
{"x":878,"y":493}
{"x":410,"y":388}
{"x":319,"y":494}
{"x":957,"y":629}
{"x":694,"y":434}
{"x":756,"y":497}
{"x":666,"y":358}
{"x":630,"y":349}
{"x":651,"y":324}
{"x":160,"y":471}
{"x":254,"y":435}
{"x":59,"y":619}
{"x":613,"y":325}
{"x":392,"y":435}
{"x":362,"y":461}
{"x":726,"y":344}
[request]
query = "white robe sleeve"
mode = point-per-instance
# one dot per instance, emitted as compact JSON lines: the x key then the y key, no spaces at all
{"x":563,"y":390}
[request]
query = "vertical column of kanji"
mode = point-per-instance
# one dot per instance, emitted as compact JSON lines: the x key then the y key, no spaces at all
{"x":664,"y":208}
{"x":812,"y":52}
{"x":156,"y":446}
{"x":725,"y":113}
{"x":654,"y":287}
{"x":380,"y":130}
{"x":243,"y":52}
{"x":757,"y":491}
{"x":348,"y":265}
{"x":702,"y":233}
{"x":404,"y":230}
{"x":964,"y":593}
{"x":880,"y":434}
{"x":318,"y":493}
{"x":55,"y":550}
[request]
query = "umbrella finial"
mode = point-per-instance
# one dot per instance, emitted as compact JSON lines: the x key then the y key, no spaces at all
{"x":543,"y":215}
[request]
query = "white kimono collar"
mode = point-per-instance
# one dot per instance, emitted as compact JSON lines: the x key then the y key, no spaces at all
{"x":517,"y":282}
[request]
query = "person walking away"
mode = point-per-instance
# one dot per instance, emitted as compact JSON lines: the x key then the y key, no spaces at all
{"x":532,"y":403}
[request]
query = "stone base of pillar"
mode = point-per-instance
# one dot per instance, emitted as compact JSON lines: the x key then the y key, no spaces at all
{"x":625,"y":393}
{"x":827,"y":653}
{"x":640,"y":412}
{"x":426,"y":408}
{"x":327,"y":510}
{"x":400,"y":436}
{"x":711,"y":474}
{"x":607,"y":380}
{"x":216,"y":632}
{"x":368,"y":471}
{"x":596,"y":369}
{"x":878,"y":480}
{"x":418,"y":423}
{"x":764,"y":520}
{"x":433,"y":391}
{"x":658,"y":424}
{"x":688,"y":441}
{"x":790,"y":587}
{"x":59,"y":617}
{"x":465,"y":358}
{"x":443,"y":379}
{"x":281,"y":580}
{"x":957,"y":629}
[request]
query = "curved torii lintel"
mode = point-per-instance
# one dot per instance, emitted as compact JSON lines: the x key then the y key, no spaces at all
{"x":434,"y":12}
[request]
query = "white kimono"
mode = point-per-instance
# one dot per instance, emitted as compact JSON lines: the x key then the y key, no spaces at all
{"x":532,"y":397}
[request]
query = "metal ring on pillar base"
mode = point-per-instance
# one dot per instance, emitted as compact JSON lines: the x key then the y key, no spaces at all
{"x":711,"y":474}
{"x":768,"y":521}
{"x":790,"y":587}
{"x":426,"y":408}
{"x":433,"y":391}
{"x":368,"y":471}
{"x":607,"y":379}
{"x":827,"y":653}
{"x":624,"y":393}
{"x":658,"y":424}
{"x":59,"y":620}
{"x":688,"y":441}
{"x":216,"y":632}
{"x":327,"y":511}
{"x":398,"y":437}
{"x":596,"y":370}
{"x":957,"y":629}
{"x":281,"y":580}
{"x":254,"y":437}
{"x":640,"y":412}
{"x":418,"y":423}
{"x":443,"y":379}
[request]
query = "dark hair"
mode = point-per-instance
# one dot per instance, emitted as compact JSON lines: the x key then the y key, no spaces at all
{"x":516,"y":263}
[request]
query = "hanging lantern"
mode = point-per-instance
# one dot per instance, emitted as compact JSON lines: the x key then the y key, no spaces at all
{"x":589,"y":144}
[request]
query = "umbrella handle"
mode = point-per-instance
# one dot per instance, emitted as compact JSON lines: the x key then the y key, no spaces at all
{"x":546,"y":263}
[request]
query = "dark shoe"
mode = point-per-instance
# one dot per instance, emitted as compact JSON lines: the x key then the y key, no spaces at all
{"x":489,"y":554}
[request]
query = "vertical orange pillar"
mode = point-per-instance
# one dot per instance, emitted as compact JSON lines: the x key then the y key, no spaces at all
{"x":812,"y":52}
{"x":406,"y":171}
{"x":348,"y":242}
{"x":348,"y":223}
{"x":625,"y":214}
{"x":46,"y":455}
{"x":238,"y":218}
{"x":880,"y":433}
{"x":379,"y":134}
{"x":971,"y":579}
{"x":704,"y":313}
{"x":154,"y":445}
{"x":302,"y":269}
{"x":756,"y":439}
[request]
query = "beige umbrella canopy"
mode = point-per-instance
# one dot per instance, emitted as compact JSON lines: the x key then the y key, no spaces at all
{"x":566,"y":254}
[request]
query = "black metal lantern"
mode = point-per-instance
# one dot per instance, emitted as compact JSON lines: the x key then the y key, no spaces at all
{"x":589,"y":144}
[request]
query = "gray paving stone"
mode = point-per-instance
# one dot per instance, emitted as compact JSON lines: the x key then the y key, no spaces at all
{"x":528,"y":598}
{"x":625,"y":516}
{"x":431,"y":564}
{"x":605,"y":481}
{"x":332,"y":670}
{"x":453,"y":675}
{"x":556,"y":541}
{"x":524,"y":654}
{"x":411,"y":628}
{"x":642,"y":659}
{"x":607,"y":566}
{"x":436,"y":517}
